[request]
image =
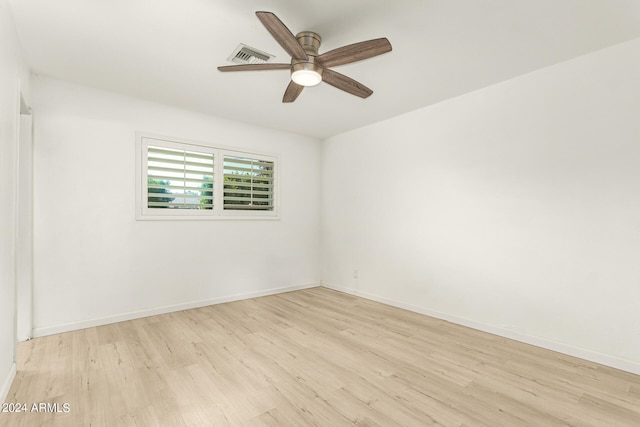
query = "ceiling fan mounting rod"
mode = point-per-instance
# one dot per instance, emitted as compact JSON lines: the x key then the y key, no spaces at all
{"x":309,"y":41}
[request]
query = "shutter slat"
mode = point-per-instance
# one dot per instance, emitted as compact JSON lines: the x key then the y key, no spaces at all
{"x":202,"y":165}
{"x":246,"y":171}
{"x":181,"y":153}
{"x":248,"y":207}
{"x":180,"y":179}
{"x":179,"y":196}
{"x":245,"y":178}
{"x":153,"y":168}
{"x":229,"y":160}
{"x":246,"y":199}
{"x":181,"y":205}
{"x":238,"y":191}
{"x":179,"y":188}
{"x":249,"y":187}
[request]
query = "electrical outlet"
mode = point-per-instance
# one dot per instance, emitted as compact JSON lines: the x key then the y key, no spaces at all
{"x":355,"y":274}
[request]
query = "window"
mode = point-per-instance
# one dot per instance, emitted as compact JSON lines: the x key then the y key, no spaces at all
{"x":248,"y":184}
{"x":178,"y":180}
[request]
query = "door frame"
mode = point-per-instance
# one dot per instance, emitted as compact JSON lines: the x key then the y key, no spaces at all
{"x":24,"y":225}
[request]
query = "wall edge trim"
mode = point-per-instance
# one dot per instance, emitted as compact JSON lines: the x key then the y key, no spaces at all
{"x":548,"y":344}
{"x":100,"y":321}
{"x":6,"y":385}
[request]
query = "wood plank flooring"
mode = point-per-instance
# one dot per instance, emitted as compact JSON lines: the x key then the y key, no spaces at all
{"x":310,"y":358}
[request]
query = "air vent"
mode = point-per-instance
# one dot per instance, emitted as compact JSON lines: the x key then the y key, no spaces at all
{"x":244,"y":54}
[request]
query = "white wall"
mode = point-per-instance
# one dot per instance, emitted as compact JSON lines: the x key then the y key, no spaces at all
{"x":514,"y":209}
{"x":13,"y":80}
{"x":94,"y":263}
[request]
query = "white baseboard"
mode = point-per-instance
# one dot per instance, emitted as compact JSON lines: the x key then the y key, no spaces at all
{"x":90,"y":323}
{"x":6,"y":384}
{"x":582,"y":353}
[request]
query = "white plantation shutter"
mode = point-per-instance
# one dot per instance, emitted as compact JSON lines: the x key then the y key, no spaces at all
{"x":186,"y":180}
{"x":248,"y":184}
{"x":179,"y":178}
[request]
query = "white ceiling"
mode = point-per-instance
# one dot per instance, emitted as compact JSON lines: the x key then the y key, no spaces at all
{"x":167,"y":50}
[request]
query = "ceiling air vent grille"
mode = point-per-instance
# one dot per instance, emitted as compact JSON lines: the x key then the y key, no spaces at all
{"x":244,"y":54}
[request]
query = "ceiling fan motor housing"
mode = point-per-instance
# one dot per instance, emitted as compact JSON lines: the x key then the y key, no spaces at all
{"x":310,"y":42}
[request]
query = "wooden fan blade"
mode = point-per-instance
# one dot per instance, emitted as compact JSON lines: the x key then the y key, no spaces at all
{"x":345,"y":83}
{"x":283,"y":36}
{"x":255,"y":67}
{"x":354,"y":52}
{"x":292,"y":92}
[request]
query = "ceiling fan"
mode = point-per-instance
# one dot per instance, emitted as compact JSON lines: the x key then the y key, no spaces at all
{"x":307,"y":67}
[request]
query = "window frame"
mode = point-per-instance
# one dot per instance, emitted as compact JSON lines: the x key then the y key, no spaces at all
{"x":220,"y":179}
{"x":143,"y":212}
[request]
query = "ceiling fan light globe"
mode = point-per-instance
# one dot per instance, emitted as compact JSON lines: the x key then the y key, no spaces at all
{"x":306,"y":77}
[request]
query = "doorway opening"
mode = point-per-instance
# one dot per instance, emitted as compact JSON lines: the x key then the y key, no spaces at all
{"x":24,"y":225}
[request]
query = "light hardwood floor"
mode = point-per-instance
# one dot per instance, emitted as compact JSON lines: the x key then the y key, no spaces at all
{"x":310,"y":358}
